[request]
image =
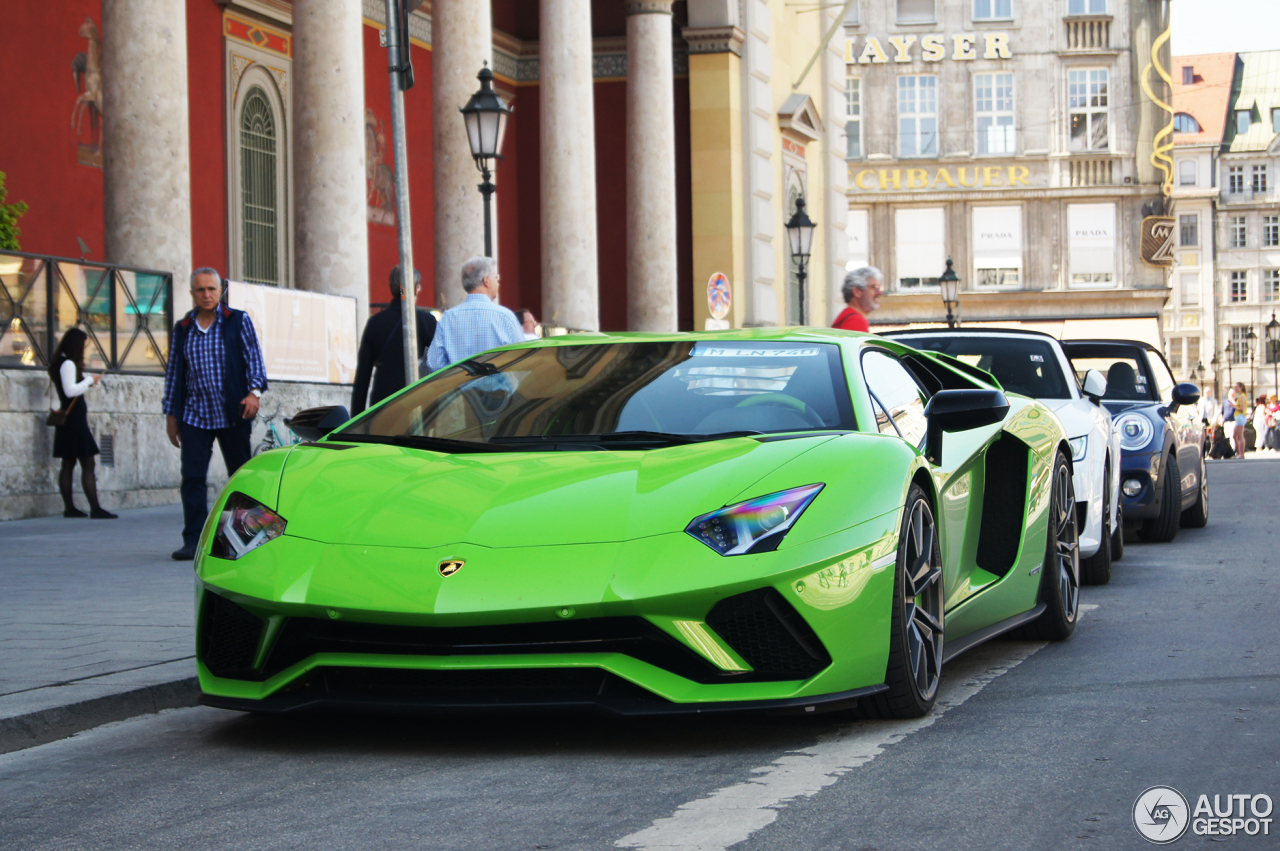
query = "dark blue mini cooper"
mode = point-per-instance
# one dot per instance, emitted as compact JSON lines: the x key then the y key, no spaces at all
{"x":1162,"y":471}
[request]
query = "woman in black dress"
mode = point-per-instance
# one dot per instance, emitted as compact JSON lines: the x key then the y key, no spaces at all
{"x":73,"y":441}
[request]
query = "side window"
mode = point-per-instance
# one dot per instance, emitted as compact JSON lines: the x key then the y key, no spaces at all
{"x":883,"y":423}
{"x":1164,"y":381}
{"x":902,"y":397}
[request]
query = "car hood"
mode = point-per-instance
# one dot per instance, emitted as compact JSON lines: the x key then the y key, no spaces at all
{"x":395,"y":496}
{"x":1077,"y":415}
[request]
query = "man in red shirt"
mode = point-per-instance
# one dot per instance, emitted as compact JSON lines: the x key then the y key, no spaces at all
{"x":861,"y":291}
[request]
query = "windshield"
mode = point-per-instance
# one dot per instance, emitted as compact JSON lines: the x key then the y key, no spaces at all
{"x":645,"y":392}
{"x":1126,"y":374}
{"x":1021,"y":364}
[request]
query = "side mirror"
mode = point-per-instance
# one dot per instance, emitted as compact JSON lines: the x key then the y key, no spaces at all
{"x":314,"y":423}
{"x":960,"y":410}
{"x":1185,"y":393}
{"x":1095,"y":386}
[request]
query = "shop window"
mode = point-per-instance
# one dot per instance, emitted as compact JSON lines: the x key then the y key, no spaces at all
{"x":1091,"y":245}
{"x":857,"y":228}
{"x":921,"y":239}
{"x":997,"y":247}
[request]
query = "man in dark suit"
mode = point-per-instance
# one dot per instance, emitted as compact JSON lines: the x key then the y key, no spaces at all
{"x":382,"y":346}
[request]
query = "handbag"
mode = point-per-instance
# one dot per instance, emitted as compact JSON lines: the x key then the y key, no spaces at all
{"x":58,"y":418}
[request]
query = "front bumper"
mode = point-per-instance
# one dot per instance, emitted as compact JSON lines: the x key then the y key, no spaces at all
{"x":1143,"y":467}
{"x":656,"y":626}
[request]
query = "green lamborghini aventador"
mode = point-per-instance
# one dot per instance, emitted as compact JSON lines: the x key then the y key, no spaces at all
{"x":762,"y":519}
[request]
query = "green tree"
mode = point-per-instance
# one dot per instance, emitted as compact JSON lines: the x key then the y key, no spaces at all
{"x":9,"y":214}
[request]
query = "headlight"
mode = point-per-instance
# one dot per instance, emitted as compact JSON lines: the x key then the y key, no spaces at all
{"x":1135,"y":431}
{"x":756,"y":525}
{"x":245,"y":525}
{"x":1079,"y":446}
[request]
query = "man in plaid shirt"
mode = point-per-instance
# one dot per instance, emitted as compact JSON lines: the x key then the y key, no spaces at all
{"x":478,"y":324}
{"x":211,"y":392}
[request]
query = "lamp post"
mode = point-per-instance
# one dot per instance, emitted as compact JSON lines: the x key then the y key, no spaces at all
{"x":486,"y":118}
{"x":950,"y":285}
{"x":1273,"y":349}
{"x":1251,"y":337}
{"x":800,"y":237}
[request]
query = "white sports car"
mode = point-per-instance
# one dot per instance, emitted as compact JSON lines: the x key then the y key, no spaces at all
{"x":1034,"y":364}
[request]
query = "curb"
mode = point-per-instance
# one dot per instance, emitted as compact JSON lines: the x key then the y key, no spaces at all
{"x":42,"y":726}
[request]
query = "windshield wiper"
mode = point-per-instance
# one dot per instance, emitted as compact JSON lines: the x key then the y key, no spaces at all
{"x":626,"y":437}
{"x":432,"y":444}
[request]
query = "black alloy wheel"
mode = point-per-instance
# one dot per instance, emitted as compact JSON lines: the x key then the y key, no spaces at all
{"x":1197,"y":516}
{"x":1060,"y":582}
{"x":1096,"y":569}
{"x":1164,"y":527}
{"x":915,"y":640}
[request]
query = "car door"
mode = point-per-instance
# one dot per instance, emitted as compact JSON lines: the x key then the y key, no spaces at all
{"x":899,"y":400}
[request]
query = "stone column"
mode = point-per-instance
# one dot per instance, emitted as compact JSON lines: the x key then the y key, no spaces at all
{"x":331,"y":233}
{"x":146,"y":139}
{"x":651,"y":169}
{"x":461,"y":42}
{"x":570,"y":275}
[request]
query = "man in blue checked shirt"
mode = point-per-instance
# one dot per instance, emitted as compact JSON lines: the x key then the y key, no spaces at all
{"x":211,"y":392}
{"x":478,"y":324}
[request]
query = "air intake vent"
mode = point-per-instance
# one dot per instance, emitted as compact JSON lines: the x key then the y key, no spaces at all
{"x":229,"y":638}
{"x":769,"y":634}
{"x":107,"y":450}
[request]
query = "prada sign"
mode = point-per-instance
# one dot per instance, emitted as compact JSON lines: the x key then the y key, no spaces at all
{"x":932,"y":47}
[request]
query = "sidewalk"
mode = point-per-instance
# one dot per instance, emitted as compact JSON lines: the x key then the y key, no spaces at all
{"x":97,"y":623}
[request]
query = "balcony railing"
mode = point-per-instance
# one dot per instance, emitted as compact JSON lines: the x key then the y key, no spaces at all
{"x":1088,"y":32}
{"x":127,"y":313}
{"x":1092,"y":172}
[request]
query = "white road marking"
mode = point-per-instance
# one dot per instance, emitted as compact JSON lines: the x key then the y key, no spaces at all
{"x":730,"y":815}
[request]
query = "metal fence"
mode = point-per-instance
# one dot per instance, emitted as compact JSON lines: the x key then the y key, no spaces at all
{"x":127,"y":313}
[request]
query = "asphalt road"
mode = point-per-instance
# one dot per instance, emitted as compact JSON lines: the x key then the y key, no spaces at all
{"x":1172,"y":678}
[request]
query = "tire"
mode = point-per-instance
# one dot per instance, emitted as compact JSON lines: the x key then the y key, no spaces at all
{"x":1096,"y":569}
{"x":915,"y":639}
{"x":1163,"y":529}
{"x":1060,"y":578}
{"x":1197,"y":516}
{"x":1117,"y":537}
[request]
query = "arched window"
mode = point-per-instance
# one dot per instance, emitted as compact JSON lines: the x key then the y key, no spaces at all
{"x":259,"y":204}
{"x":1184,"y":123}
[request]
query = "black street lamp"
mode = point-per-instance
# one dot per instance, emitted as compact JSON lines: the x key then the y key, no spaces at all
{"x":1251,"y":337}
{"x":950,"y":284}
{"x":486,"y":119}
{"x":1273,"y":349}
{"x":800,"y":237}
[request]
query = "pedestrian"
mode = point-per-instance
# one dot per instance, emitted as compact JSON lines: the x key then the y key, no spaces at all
{"x":1238,"y":399}
{"x":861,"y":292}
{"x":478,"y":323}
{"x":211,"y":392}
{"x":382,"y":345}
{"x":72,"y":440}
{"x":528,"y":323}
{"x":1260,"y":430}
